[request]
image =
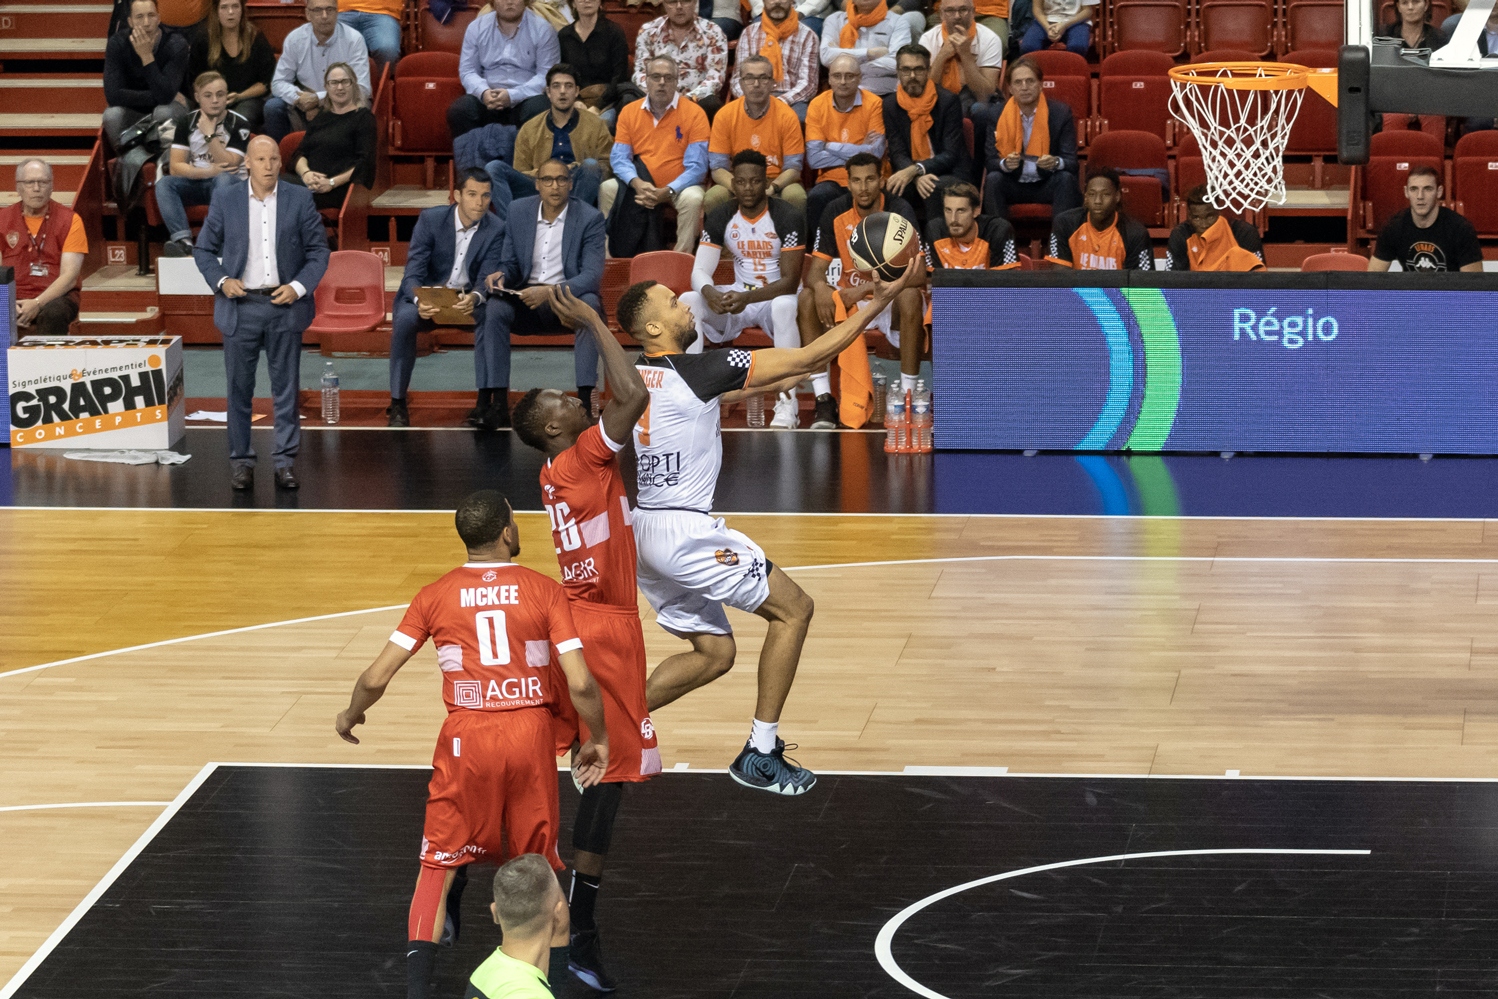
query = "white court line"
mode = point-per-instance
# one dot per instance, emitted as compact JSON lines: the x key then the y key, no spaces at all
{"x":887,"y":933}
{"x":34,"y":962}
{"x":85,"y":804}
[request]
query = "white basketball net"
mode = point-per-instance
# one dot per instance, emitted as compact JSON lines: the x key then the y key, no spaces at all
{"x":1242,"y":133}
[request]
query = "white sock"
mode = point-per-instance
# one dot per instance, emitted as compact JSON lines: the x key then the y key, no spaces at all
{"x":907,"y":382}
{"x":821,"y":384}
{"x":762,"y":736}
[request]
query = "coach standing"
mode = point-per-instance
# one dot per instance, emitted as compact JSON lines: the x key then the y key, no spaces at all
{"x":274,"y":254}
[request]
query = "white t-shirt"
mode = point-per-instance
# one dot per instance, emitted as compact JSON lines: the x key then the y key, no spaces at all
{"x":1057,"y":11}
{"x":990,"y":49}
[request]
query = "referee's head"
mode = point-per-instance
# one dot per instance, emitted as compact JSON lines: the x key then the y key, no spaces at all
{"x":528,"y":901}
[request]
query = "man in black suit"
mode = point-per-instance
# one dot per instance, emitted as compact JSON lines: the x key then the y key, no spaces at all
{"x":454,"y":246}
{"x":274,"y":253}
{"x":908,"y":121}
{"x":1025,"y":168}
{"x":551,"y":240}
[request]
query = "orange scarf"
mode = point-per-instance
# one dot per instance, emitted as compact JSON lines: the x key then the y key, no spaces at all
{"x":1009,"y":134}
{"x":1217,"y":250}
{"x":774,"y":35}
{"x":951,"y":73}
{"x":921,"y":122}
{"x":848,"y":37}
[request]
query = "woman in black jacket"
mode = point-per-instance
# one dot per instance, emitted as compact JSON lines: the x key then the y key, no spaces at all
{"x":597,"y":48}
{"x":339,"y":147}
{"x":1413,"y":27}
{"x":233,"y":47}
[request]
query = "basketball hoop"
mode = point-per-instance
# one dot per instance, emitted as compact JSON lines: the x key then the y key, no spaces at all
{"x":1240,"y":114}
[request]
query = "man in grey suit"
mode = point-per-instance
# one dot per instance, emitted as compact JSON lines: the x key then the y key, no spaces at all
{"x":454,"y":246}
{"x":274,"y":253}
{"x":552,"y":239}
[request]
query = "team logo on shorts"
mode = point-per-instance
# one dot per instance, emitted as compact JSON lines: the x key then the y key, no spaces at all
{"x":726,"y":556}
{"x":489,"y":576}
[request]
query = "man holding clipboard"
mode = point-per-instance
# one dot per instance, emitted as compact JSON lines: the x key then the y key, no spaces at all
{"x":452,"y":250}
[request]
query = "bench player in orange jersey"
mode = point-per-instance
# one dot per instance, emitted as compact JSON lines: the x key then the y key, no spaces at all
{"x":493,"y":795}
{"x":583,"y":492}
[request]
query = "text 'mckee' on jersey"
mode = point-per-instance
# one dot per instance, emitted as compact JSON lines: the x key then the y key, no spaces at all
{"x":755,"y":244}
{"x":495,"y":625}
{"x":679,"y":440}
{"x":583,"y":493}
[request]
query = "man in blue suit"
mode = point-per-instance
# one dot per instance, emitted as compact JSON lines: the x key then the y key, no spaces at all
{"x":274,"y":253}
{"x":454,"y":246}
{"x":552,"y":239}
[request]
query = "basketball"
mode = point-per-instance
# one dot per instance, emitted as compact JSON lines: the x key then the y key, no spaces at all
{"x":883,"y":243}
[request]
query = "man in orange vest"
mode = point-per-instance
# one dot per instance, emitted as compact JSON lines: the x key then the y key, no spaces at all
{"x":43,"y":242}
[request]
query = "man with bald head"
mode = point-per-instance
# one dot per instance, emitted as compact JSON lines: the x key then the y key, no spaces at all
{"x":840,"y":123}
{"x":263,"y":251}
{"x":44,"y":243}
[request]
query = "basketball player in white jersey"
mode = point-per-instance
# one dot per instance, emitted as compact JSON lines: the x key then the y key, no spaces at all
{"x":766,"y":239}
{"x":690,"y":562}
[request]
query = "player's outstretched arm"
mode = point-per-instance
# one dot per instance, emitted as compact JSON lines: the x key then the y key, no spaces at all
{"x":369,"y":688}
{"x":593,"y":758}
{"x":629,"y":396}
{"x":775,"y":364}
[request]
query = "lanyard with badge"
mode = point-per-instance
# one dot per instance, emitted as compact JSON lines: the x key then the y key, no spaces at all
{"x":38,"y":266}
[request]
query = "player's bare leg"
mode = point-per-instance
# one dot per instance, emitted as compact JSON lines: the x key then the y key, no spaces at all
{"x":433,"y":921}
{"x":710,"y":657}
{"x":762,"y":764}
{"x":910,"y":319}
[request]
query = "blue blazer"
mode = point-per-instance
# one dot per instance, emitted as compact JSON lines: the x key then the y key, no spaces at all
{"x":301,"y":248}
{"x":434,"y":244}
{"x":583,"y":236}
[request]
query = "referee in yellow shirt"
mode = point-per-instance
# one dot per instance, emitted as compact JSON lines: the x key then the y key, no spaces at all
{"x":532,"y":912}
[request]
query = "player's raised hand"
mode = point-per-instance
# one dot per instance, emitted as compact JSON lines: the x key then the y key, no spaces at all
{"x":885,"y":291}
{"x":590,"y":763}
{"x":574,"y":313}
{"x":344,"y":725}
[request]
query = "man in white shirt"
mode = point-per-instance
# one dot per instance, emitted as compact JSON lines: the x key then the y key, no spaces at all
{"x":1068,"y":21}
{"x":967,"y":59}
{"x":263,"y":298}
{"x":297,"y":87}
{"x":871,"y":42}
{"x":551,"y":240}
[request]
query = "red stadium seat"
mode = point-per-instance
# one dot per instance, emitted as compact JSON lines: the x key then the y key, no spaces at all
{"x":1127,"y":151}
{"x":1068,"y":79}
{"x":289,"y":145}
{"x":1191,"y":171}
{"x":425,"y":84}
{"x":1149,"y":25}
{"x":1334,"y":262}
{"x":1378,"y":186}
{"x":1432,"y":124}
{"x":1314,"y":133}
{"x":351,"y":296}
{"x":1474,"y":180}
{"x":1225,"y":55}
{"x":1314,"y":24}
{"x":1134,"y":93}
{"x":668,"y":267}
{"x":1237,"y":24}
{"x":439,"y":37}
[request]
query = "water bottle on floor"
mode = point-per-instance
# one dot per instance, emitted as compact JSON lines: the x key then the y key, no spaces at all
{"x":894,"y":421}
{"x":920,"y":418}
{"x":881,"y":386}
{"x":329,"y":394}
{"x":754,"y":410}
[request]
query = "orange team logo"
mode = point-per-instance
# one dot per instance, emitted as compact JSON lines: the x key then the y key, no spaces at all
{"x":754,"y":140}
{"x":726,"y":556}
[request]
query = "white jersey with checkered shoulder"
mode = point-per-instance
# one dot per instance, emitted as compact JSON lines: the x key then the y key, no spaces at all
{"x":679,"y":440}
{"x":755,"y":244}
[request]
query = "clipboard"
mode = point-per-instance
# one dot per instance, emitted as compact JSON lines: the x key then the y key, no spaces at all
{"x":444,"y":299}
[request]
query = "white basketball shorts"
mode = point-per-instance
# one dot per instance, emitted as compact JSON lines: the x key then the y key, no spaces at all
{"x":691,"y":564}
{"x":727,"y":327}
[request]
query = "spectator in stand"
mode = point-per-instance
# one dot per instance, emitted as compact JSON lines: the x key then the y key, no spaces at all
{"x":565,"y":132}
{"x":829,"y":296}
{"x":597,"y":50}
{"x":297,"y":87}
{"x":764,"y":124}
{"x":340,"y":145}
{"x":726,"y":14}
{"x":234,"y":48}
{"x":1032,"y":149}
{"x":659,"y":159}
{"x":765,"y":238}
{"x":503,"y":68}
{"x":923,"y":126}
{"x":379,"y":24}
{"x":454,"y":246}
{"x":1066,"y":21}
{"x":1209,"y":241}
{"x":552,"y":241}
{"x":208,"y":150}
{"x":841,"y":123}
{"x":966,"y":57}
{"x":43,"y":242}
{"x":143,"y":71}
{"x":1425,"y":236}
{"x":696,"y":45}
{"x":994,"y":15}
{"x":868,"y":33}
{"x":1098,"y":236}
{"x":961,"y":239}
{"x":791,"y":48}
{"x":1413,"y":26}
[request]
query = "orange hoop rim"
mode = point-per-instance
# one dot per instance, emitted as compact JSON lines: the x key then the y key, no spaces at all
{"x":1243,"y":75}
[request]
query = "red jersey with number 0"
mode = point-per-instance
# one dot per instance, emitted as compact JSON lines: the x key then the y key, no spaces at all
{"x":590,"y":520}
{"x":495,"y":626}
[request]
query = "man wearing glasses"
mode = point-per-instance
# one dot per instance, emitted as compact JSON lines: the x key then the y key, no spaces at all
{"x":297,"y":88}
{"x":698,"y":46}
{"x":44,"y":243}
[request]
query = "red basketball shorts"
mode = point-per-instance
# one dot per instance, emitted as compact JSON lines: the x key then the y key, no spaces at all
{"x":493,"y":794}
{"x":614,"y":645}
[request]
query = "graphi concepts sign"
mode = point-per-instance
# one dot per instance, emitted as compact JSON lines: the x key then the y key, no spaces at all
{"x":96,"y":392}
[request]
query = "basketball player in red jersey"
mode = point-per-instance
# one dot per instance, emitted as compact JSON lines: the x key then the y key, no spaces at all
{"x":493,"y":795}
{"x":583,"y":492}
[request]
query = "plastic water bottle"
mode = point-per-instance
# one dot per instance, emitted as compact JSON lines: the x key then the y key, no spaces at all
{"x":881,"y":386}
{"x":894,"y":422}
{"x":920,"y":418}
{"x":329,"y":394}
{"x":754,"y":410}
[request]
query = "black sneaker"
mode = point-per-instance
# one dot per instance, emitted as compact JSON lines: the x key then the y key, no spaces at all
{"x":825,"y":418}
{"x":771,"y":771}
{"x":585,"y":960}
{"x":176,"y":248}
{"x":397,"y":414}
